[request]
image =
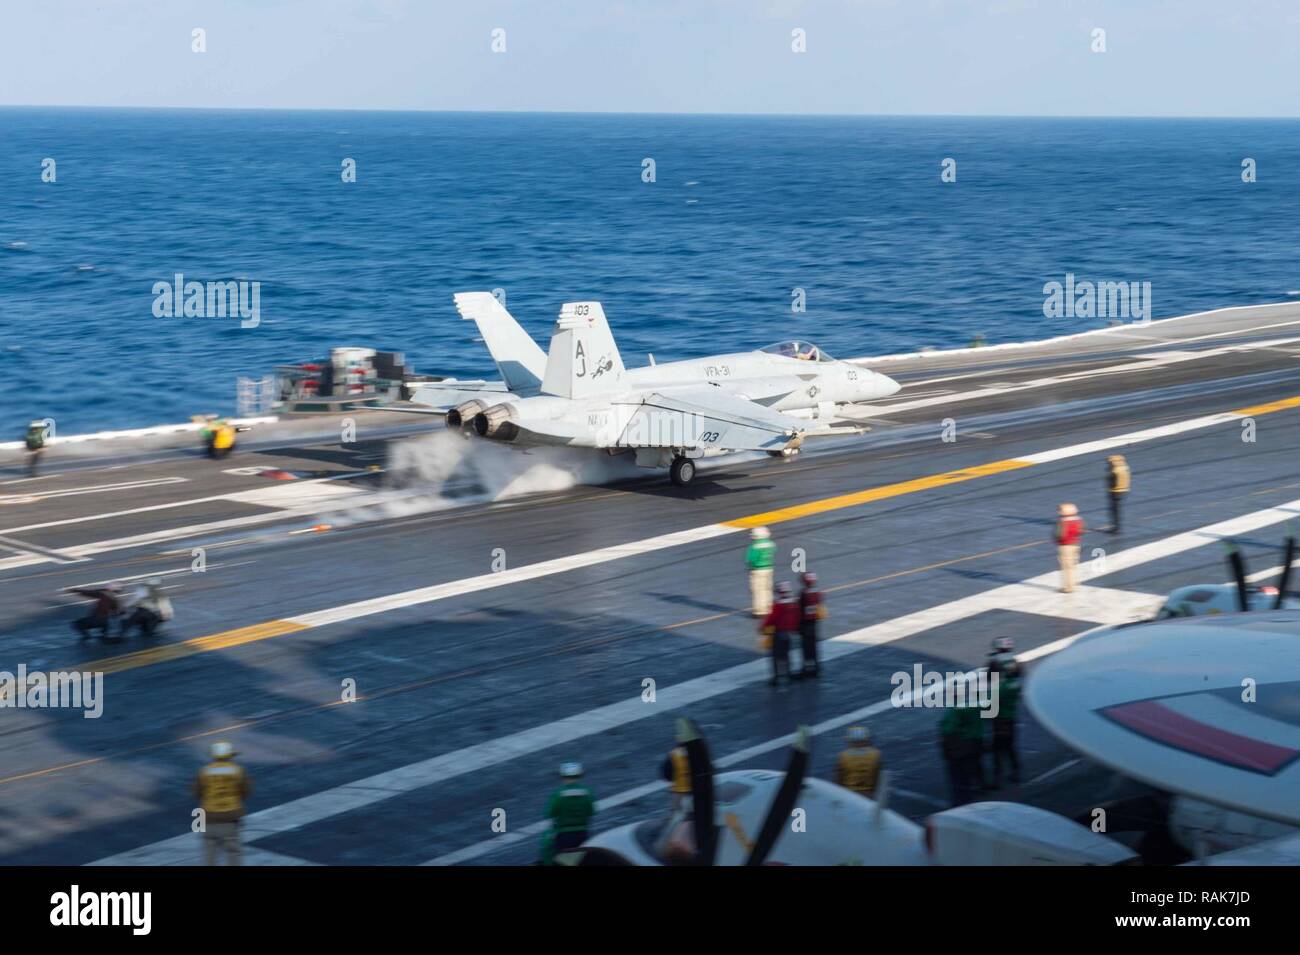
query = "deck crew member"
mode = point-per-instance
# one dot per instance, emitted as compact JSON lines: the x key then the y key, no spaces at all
{"x":812,"y":610}
{"x":35,"y":442}
{"x":1004,"y":649}
{"x":570,"y":809}
{"x":781,"y":625}
{"x":150,"y":608}
{"x":104,"y":612}
{"x":1069,"y":532}
{"x":962,"y":738}
{"x":677,"y":770}
{"x":222,"y":787}
{"x":1118,"y":480}
{"x":219,"y":436}
{"x":858,"y":766}
{"x":760,"y":557}
{"x":1007,"y":668}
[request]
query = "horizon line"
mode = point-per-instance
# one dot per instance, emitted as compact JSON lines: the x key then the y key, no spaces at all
{"x":701,"y":113}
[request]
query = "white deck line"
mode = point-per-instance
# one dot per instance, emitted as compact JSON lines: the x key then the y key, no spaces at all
{"x":1113,"y":330}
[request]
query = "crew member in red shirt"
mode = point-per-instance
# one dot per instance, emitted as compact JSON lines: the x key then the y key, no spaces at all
{"x":812,"y":609}
{"x":1069,"y":531}
{"x":782,"y":622}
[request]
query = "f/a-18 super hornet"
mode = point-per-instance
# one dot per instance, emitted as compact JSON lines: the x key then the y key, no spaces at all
{"x":666,"y":415}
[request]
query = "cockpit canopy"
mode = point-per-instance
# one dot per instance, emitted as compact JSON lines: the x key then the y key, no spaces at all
{"x":797,"y":349}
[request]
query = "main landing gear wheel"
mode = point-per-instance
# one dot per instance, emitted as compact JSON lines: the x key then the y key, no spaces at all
{"x":682,"y":471}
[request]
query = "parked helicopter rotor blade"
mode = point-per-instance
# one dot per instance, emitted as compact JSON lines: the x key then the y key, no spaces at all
{"x":778,"y":814}
{"x":697,"y":755}
{"x":1237,"y":563}
{"x":1288,"y":557}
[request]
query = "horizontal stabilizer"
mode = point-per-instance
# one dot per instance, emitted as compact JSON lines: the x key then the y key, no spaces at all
{"x":445,"y":395}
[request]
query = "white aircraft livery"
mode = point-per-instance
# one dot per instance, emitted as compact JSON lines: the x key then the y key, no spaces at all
{"x":667,"y":415}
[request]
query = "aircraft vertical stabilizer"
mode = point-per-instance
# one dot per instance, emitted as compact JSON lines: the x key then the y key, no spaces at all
{"x":583,"y":359}
{"x":518,"y":359}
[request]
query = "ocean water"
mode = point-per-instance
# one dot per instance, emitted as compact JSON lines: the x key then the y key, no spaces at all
{"x":552,"y":208}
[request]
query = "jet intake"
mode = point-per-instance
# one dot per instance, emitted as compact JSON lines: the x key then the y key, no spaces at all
{"x":496,"y":423}
{"x":457,"y":416}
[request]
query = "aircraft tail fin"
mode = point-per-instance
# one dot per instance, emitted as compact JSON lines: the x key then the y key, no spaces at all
{"x":518,"y":358}
{"x":583,"y":359}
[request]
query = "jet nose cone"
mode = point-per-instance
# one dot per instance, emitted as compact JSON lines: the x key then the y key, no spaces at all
{"x":886,"y":386}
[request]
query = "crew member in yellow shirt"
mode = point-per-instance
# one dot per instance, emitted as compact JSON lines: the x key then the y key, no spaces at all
{"x":858,"y":767}
{"x":222,"y":787}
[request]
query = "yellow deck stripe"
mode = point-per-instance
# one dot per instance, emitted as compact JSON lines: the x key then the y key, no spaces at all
{"x":186,"y":648}
{"x":877,"y":493}
{"x":1269,"y":408}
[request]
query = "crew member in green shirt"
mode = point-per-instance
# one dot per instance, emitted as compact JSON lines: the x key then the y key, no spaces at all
{"x":760,"y":557}
{"x":570,"y":810}
{"x":1004,"y":724}
{"x":962,"y":736}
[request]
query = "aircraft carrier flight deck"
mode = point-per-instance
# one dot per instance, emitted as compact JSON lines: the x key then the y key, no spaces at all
{"x":395,"y":665}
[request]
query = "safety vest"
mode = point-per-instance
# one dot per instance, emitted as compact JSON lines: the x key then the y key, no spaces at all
{"x":1119,"y":477}
{"x":859,"y":769}
{"x":221,"y":788}
{"x":681,"y":770}
{"x":224,"y":438}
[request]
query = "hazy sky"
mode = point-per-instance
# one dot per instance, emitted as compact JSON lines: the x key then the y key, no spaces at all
{"x":1163,"y":57}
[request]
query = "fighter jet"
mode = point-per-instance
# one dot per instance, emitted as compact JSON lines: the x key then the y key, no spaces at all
{"x":666,"y":415}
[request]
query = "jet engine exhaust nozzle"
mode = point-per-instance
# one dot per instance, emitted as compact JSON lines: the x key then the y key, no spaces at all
{"x":495,"y":423}
{"x":458,"y":416}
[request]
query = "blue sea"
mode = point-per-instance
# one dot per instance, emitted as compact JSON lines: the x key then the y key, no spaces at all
{"x":553,"y":207}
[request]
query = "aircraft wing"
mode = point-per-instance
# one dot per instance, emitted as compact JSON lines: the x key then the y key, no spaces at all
{"x":1208,"y":707}
{"x":706,"y":417}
